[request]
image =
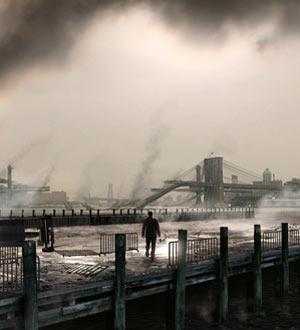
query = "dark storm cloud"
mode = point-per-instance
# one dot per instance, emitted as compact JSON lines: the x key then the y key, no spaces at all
{"x":32,"y":31}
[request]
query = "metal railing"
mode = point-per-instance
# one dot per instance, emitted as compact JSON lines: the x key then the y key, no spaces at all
{"x":11,"y":275}
{"x":271,"y":239}
{"x":9,"y":252}
{"x":107,"y":243}
{"x":197,"y":250}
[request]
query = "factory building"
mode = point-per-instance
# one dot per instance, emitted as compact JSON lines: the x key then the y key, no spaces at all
{"x":14,"y":194}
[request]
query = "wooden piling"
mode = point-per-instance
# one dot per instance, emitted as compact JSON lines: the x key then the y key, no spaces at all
{"x":223,"y":275}
{"x":285,"y":259}
{"x":257,"y":270}
{"x":120,"y":292}
{"x":30,"y":286}
{"x":180,"y":281}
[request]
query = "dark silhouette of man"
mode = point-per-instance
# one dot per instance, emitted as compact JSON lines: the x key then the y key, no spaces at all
{"x":150,"y":230}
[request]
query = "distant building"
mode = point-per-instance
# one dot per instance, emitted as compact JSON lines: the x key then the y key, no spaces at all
{"x":269,"y":180}
{"x":292,"y":185}
{"x":234,"y":179}
{"x":53,"y":197}
{"x":267,"y":176}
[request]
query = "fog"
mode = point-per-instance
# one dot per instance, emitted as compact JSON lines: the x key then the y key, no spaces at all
{"x":89,"y":117}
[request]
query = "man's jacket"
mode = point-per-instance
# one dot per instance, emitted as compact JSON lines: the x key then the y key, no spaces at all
{"x":150,"y":228}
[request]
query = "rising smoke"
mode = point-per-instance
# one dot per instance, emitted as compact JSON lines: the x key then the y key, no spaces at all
{"x":42,"y":31}
{"x":24,"y":152}
{"x":88,"y":176}
{"x":153,"y":152}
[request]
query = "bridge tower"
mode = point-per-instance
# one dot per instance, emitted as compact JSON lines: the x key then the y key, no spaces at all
{"x":9,"y":176}
{"x":213,"y":179}
{"x":9,"y":186}
{"x":199,"y":180}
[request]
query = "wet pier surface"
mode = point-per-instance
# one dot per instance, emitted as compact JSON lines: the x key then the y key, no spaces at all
{"x":151,"y":313}
{"x":55,"y":266}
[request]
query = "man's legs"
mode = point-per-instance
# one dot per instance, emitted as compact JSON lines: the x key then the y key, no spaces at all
{"x":153,"y":245}
{"x":148,"y":240}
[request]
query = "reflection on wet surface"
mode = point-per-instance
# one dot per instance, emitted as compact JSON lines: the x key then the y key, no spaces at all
{"x":54,"y":266}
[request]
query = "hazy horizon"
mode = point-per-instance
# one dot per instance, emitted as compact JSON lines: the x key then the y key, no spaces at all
{"x":134,"y":85}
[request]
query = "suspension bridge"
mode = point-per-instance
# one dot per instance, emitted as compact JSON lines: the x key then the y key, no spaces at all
{"x":216,"y":181}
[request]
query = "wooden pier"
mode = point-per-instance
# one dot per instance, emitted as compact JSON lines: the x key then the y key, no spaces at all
{"x":52,"y":307}
{"x":120,"y":216}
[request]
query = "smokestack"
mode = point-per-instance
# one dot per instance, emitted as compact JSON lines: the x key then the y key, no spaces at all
{"x":9,"y":177}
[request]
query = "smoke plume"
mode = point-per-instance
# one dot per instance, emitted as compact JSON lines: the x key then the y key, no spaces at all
{"x":25,"y":151}
{"x":153,"y":151}
{"x":88,"y":176}
{"x":41,"y":31}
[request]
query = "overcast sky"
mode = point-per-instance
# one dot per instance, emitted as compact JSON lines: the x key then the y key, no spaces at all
{"x":90,"y":118}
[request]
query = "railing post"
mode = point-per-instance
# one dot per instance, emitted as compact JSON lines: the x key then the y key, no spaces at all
{"x":223,"y":275}
{"x":257,"y":270}
{"x":120,"y":292}
{"x":30,"y":286}
{"x":180,"y":281}
{"x":285,"y":258}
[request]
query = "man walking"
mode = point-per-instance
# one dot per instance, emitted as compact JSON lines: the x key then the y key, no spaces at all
{"x":150,"y":231}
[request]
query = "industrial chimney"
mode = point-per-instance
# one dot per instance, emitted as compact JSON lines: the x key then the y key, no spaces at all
{"x":9,"y":177}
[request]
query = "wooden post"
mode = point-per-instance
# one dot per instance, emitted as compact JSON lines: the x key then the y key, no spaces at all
{"x":169,"y":303}
{"x":120,"y":292}
{"x":257,"y":270}
{"x":180,"y":281}
{"x":223,"y":275}
{"x":285,"y":258}
{"x":30,"y":286}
